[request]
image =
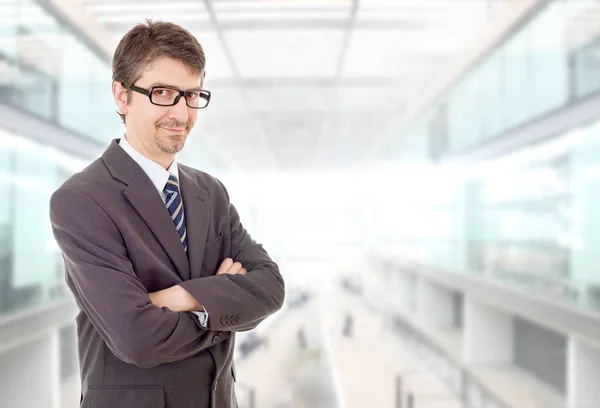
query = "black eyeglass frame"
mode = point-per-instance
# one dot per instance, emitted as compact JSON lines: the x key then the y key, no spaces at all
{"x":148,"y":93}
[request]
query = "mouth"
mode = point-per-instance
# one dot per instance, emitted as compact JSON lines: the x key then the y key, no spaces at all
{"x":172,"y":130}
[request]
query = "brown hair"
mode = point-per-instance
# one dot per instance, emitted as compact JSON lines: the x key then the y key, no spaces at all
{"x":147,"y":42}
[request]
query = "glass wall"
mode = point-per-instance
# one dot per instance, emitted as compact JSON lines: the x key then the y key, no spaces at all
{"x":30,"y":263}
{"x":586,"y":63}
{"x":550,"y":61}
{"x":522,"y":78}
{"x":522,"y":218}
{"x":528,"y":219}
{"x":46,"y":70}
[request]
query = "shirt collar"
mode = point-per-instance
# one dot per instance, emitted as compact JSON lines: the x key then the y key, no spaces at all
{"x":157,"y":174}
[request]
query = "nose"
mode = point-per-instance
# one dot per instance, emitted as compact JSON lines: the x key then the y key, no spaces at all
{"x":179,"y":111}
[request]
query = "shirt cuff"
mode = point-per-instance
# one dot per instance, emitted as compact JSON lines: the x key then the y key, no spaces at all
{"x":202,"y":317}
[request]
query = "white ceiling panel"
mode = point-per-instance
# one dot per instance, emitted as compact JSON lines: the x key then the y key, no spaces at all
{"x":217,"y":64}
{"x":243,"y":16}
{"x":225,"y":99}
{"x":125,"y":12}
{"x":396,"y":55}
{"x":370,"y":98}
{"x":307,"y":84}
{"x":285,"y":54}
{"x":346,"y":135}
{"x":225,"y":127}
{"x":113,"y":7}
{"x":277,"y":5}
{"x":430,"y":4}
{"x":181,"y":17}
{"x":289,"y":98}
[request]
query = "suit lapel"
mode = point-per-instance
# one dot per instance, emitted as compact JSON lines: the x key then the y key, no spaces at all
{"x":148,"y":203}
{"x":197,"y":218}
{"x":143,"y":197}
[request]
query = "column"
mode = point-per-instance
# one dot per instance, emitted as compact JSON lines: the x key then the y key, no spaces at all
{"x":488,"y":334}
{"x":583,"y":371}
{"x":435,"y":304}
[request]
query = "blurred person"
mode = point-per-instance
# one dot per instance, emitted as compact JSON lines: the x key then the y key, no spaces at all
{"x":348,"y":325}
{"x":161,"y":268}
{"x":251,"y":343}
{"x":301,"y":338}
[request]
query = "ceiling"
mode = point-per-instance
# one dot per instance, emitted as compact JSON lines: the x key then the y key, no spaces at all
{"x":308,"y":85}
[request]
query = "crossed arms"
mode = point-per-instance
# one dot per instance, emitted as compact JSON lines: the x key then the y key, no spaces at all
{"x":177,"y":299}
{"x":128,"y":318}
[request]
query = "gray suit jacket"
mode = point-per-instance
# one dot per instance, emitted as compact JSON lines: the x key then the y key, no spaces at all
{"x":118,"y":244}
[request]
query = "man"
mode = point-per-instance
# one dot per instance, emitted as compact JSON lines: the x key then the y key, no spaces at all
{"x":161,"y":267}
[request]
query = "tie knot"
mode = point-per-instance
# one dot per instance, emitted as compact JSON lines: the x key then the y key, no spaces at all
{"x":172,"y":184}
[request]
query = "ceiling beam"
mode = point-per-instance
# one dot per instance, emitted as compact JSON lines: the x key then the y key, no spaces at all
{"x":375,"y":25}
{"x":259,"y":126}
{"x":84,"y":25}
{"x":301,"y":82}
{"x":348,"y":31}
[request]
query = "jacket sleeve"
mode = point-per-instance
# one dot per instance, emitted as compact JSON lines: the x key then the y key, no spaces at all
{"x":106,"y":288}
{"x":240,"y":302}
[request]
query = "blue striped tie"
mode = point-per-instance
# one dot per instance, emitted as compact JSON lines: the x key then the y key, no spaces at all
{"x":175,"y":207}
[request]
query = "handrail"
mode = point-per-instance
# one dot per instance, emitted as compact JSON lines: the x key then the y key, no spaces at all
{"x":467,"y":377}
{"x":560,"y":316}
{"x":26,"y":325}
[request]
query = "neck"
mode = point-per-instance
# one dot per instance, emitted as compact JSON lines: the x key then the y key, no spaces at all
{"x":157,"y":156}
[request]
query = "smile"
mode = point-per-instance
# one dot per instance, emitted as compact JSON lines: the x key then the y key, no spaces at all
{"x":173,"y":130}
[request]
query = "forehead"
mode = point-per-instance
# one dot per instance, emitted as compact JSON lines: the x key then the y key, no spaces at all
{"x":170,"y":72}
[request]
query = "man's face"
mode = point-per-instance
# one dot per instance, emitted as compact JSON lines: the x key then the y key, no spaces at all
{"x":161,"y":130}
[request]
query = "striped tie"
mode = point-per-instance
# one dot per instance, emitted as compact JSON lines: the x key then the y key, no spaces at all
{"x":175,"y":207}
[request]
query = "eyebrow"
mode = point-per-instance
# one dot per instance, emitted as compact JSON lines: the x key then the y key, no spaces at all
{"x":174,"y":87}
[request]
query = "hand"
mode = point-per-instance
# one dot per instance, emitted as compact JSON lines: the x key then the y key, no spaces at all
{"x":231,"y":268}
{"x":175,"y":298}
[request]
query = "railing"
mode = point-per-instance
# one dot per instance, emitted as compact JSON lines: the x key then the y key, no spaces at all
{"x":470,"y":391}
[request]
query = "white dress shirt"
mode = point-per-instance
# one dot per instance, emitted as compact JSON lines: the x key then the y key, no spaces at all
{"x":159,"y":177}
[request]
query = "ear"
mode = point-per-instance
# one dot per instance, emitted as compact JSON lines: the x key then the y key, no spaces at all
{"x":120,"y":96}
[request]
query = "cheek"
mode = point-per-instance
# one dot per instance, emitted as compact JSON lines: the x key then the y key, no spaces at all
{"x":154,"y":116}
{"x":144,"y":116}
{"x":192,"y":116}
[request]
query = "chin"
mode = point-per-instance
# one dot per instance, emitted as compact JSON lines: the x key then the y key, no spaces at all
{"x":171,"y":144}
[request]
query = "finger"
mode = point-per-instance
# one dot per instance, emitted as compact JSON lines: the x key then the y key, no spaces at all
{"x":242,"y":271}
{"x":235,"y":268}
{"x":225,"y":265}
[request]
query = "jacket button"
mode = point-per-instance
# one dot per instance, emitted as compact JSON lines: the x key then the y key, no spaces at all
{"x":223,"y":319}
{"x":238,"y":319}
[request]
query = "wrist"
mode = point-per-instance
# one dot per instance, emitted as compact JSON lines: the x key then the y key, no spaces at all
{"x":158,"y":298}
{"x":190,"y":303}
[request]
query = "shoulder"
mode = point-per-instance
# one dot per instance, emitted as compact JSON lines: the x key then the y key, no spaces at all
{"x":208,"y":182}
{"x":88,"y":180}
{"x":88,"y":187}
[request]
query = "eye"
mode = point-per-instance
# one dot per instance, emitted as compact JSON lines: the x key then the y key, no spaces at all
{"x":192,"y":96}
{"x":163,"y":92}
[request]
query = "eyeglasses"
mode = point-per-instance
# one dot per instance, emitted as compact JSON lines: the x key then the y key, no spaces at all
{"x":167,"y":96}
